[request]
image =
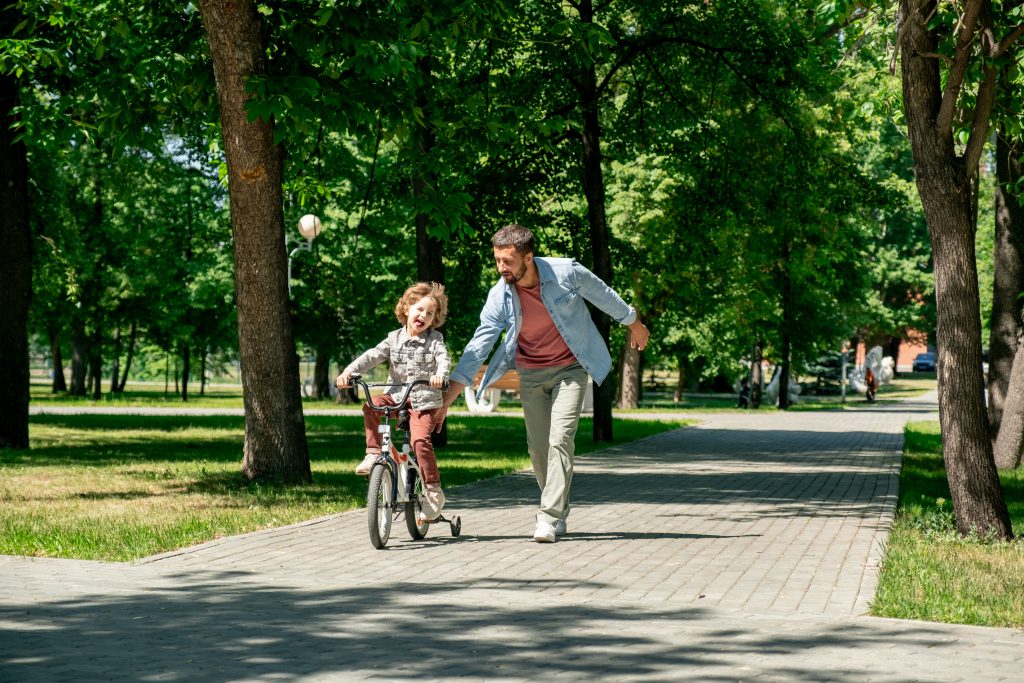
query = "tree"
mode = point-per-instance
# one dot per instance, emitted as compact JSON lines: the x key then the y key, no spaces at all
{"x":16,"y":246}
{"x":941,"y":49}
{"x":275,"y":438}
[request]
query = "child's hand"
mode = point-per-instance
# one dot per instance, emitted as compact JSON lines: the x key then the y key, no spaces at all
{"x":343,"y":381}
{"x":437,"y":381}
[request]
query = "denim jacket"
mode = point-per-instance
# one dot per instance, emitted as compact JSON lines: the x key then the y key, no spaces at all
{"x":410,"y":358}
{"x":565,"y":286}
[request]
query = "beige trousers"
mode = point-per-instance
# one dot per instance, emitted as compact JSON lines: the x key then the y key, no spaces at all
{"x":552,"y":401}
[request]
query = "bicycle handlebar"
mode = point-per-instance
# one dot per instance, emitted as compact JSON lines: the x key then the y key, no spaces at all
{"x":357,"y":381}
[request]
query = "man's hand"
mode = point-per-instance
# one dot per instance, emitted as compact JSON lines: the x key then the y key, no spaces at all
{"x":454,"y":389}
{"x":343,"y":381}
{"x":638,"y":335}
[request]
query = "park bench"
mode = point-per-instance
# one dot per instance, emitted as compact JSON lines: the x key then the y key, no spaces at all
{"x":489,"y":400}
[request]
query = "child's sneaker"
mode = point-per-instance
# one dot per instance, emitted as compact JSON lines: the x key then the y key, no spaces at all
{"x":363,"y":468}
{"x":433,"y":503}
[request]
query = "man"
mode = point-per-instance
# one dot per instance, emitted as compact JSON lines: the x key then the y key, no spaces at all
{"x":539,"y":304}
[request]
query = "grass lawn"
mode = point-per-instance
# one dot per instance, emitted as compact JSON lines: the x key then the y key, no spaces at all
{"x":931,"y":574}
{"x":120,"y":487}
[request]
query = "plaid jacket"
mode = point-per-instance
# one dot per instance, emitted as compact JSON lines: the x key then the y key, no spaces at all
{"x":410,"y":358}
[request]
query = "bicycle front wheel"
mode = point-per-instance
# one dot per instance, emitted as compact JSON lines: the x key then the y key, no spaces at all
{"x":378,"y":505}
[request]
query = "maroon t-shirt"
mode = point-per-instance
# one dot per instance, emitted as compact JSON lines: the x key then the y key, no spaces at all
{"x":540,"y":344}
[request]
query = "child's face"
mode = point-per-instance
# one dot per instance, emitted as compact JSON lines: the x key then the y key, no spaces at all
{"x":421,"y":316}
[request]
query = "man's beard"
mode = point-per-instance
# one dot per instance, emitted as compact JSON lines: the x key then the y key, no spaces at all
{"x":513,"y":278}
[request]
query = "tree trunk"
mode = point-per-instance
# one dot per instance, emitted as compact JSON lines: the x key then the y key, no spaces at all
{"x":322,"y":376}
{"x":59,"y":384}
{"x":275,"y":438}
{"x":787,"y":327}
{"x":132,"y":335}
{"x":944,"y":184}
{"x":202,"y":373}
{"x":593,"y":189}
{"x":186,"y":368}
{"x":630,"y":379}
{"x":429,"y":249}
{"x":78,"y":355}
{"x":16,"y":273}
{"x":115,"y":370}
{"x":96,"y":363}
{"x":1008,"y":280}
{"x":756,"y":376}
{"x":1010,"y":438}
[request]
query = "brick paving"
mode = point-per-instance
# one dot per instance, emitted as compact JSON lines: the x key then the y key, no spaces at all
{"x":744,"y":548}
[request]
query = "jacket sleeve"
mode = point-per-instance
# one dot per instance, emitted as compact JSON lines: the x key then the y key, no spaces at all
{"x":444,"y":361}
{"x":594,"y":290}
{"x":369,"y":359}
{"x":492,"y":324}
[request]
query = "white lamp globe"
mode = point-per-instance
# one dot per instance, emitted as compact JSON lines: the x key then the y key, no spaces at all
{"x":310,"y":226}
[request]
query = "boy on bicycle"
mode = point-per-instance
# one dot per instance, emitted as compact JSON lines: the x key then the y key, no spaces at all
{"x":414,"y":351}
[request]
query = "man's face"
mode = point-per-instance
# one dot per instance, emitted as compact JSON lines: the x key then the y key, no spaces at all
{"x":511,"y":264}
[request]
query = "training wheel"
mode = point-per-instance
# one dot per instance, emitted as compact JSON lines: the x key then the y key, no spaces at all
{"x":456,"y":524}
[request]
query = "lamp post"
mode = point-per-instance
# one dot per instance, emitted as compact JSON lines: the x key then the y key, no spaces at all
{"x":309,"y":227}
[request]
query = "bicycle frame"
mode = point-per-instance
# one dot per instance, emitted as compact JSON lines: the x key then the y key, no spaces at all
{"x":400,"y":465}
{"x":405,"y":461}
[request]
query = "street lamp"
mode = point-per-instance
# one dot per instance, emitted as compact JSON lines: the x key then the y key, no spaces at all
{"x":309,"y":227}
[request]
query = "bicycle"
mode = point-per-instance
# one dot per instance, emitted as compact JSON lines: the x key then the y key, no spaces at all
{"x":396,"y":486}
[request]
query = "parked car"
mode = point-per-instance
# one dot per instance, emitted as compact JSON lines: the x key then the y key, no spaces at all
{"x":924,"y":362}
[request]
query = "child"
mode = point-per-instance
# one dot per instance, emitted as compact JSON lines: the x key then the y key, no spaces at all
{"x":415,"y":351}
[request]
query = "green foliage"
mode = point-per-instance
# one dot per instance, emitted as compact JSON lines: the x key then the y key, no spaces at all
{"x":748,"y":152}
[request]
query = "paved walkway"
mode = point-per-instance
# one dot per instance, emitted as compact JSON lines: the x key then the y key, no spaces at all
{"x":746,"y":548}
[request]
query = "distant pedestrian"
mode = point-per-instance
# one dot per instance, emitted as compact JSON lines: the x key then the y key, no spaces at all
{"x":744,"y":400}
{"x":870,"y":383}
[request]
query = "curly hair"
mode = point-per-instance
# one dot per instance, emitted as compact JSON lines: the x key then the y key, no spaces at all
{"x":421,"y":290}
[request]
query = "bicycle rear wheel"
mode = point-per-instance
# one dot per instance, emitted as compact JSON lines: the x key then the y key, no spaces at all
{"x":417,"y":529}
{"x":378,"y":505}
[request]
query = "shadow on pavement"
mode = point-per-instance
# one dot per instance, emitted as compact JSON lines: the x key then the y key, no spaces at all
{"x":223,"y":627}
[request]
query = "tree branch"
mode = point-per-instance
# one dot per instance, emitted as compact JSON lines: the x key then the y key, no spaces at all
{"x":955,"y":78}
{"x":986,"y":94}
{"x":1006,"y":43}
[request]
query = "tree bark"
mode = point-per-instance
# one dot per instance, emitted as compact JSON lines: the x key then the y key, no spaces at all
{"x":756,"y":376}
{"x":78,"y":356}
{"x":322,"y":376}
{"x":630,"y":379}
{"x":16,"y":273}
{"x":429,"y":249}
{"x":59,"y":384}
{"x":132,"y":335}
{"x":944,"y":184}
{"x":1008,"y":280}
{"x":275,"y":438}
{"x":186,"y":369}
{"x":1010,"y":438}
{"x":787,"y":328}
{"x":115,"y":369}
{"x":593,"y":190}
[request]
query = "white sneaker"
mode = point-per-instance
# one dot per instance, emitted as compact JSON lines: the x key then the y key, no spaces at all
{"x":363,"y":468}
{"x":560,"y":529}
{"x":433,"y":503}
{"x":544,"y":533}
